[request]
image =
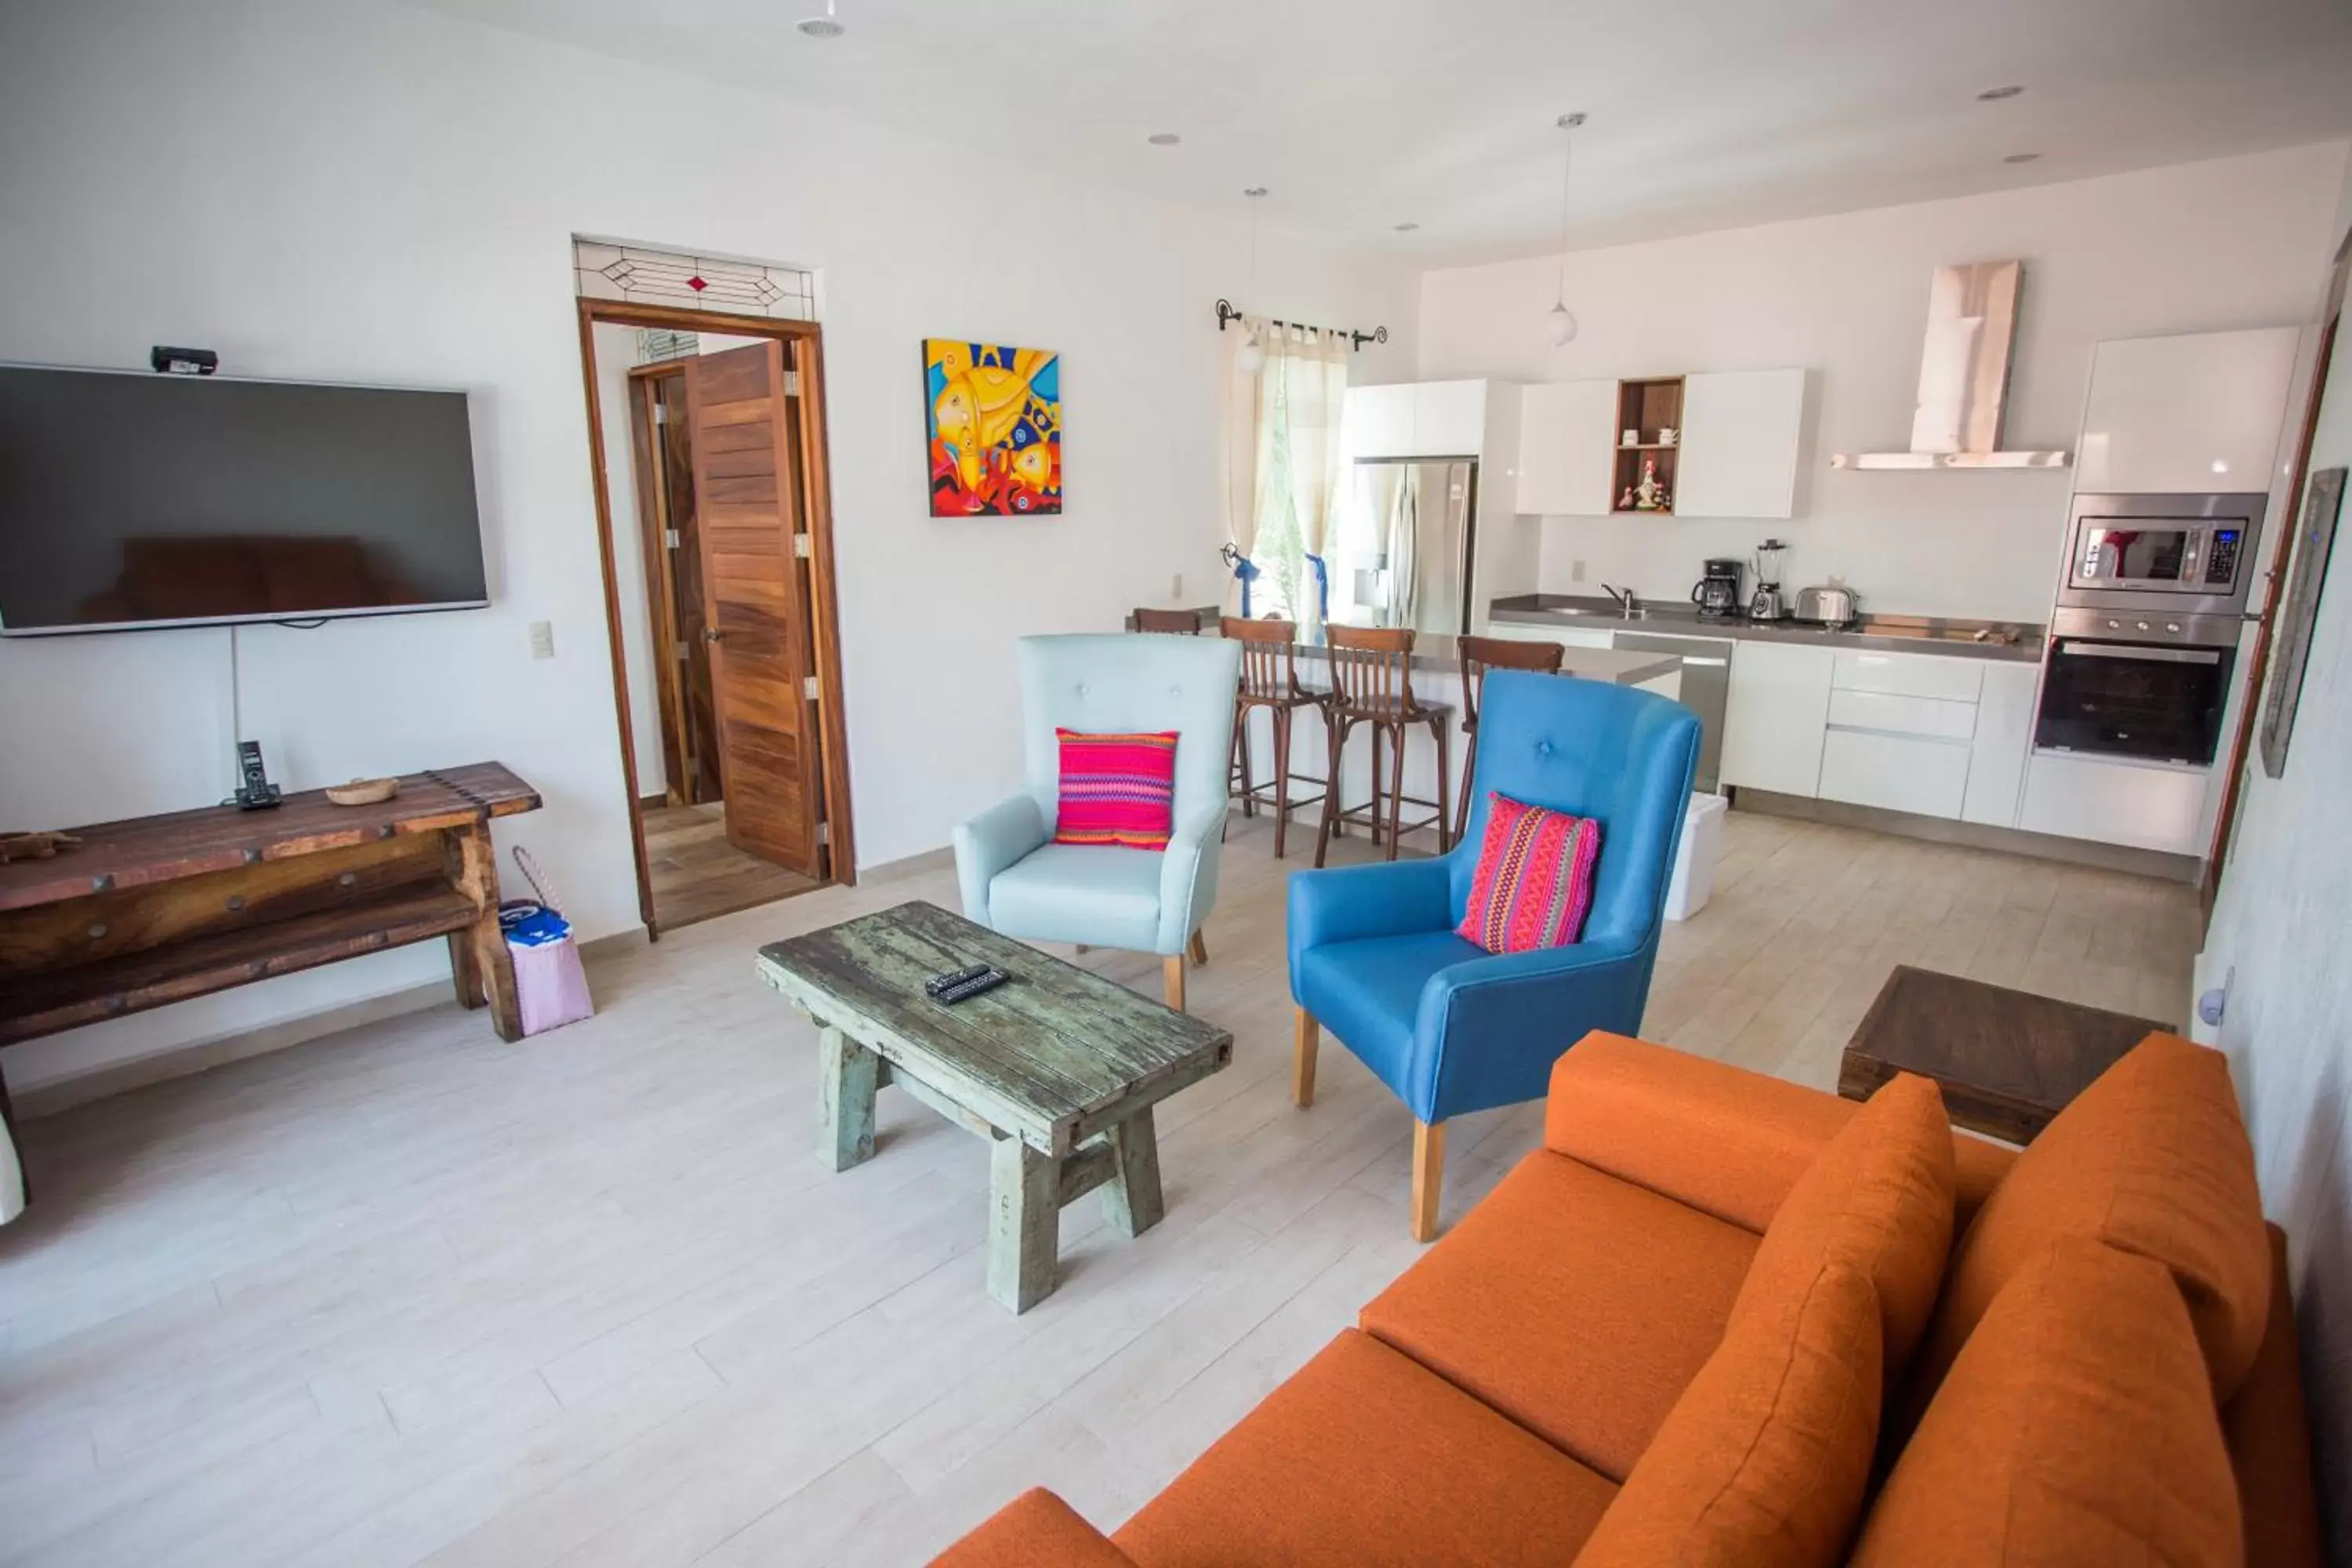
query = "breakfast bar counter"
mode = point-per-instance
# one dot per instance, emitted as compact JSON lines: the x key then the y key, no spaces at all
{"x":1434,"y":652}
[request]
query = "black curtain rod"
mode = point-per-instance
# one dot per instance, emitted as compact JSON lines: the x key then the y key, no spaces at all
{"x":1225,"y":313}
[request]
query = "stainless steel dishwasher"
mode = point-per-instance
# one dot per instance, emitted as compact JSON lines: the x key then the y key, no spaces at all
{"x":1707,"y":690}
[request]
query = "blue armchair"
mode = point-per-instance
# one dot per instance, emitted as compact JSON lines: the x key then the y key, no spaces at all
{"x":1447,"y":1026}
{"x":1016,"y":879}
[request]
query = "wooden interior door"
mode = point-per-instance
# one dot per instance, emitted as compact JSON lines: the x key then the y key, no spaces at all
{"x":742,"y":420}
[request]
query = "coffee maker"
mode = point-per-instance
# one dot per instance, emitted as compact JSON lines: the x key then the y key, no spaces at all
{"x":1717,"y":593}
{"x":1766,"y":605}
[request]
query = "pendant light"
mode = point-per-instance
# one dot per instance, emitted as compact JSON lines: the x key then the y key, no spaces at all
{"x":1559,"y":322}
{"x":1250,"y":358}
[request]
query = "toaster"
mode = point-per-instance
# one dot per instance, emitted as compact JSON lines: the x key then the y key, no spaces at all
{"x":1830,"y":606}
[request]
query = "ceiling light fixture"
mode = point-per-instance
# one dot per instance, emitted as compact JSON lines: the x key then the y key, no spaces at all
{"x":824,"y":26}
{"x":1250,"y":358}
{"x":2020,"y":157}
{"x":1163,"y":139}
{"x":1560,"y":324}
{"x":1995,"y":94}
{"x":1406,"y":227}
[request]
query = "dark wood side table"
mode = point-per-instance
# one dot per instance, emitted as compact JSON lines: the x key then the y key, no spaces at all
{"x":2007,"y":1060}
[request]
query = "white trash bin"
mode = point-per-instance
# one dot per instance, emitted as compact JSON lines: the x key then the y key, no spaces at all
{"x":1694,"y":878}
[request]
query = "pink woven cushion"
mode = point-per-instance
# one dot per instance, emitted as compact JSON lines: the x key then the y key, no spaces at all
{"x":1117,"y":790}
{"x":1534,"y":885}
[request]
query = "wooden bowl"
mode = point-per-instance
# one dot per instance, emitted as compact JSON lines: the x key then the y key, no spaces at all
{"x":363,"y":792}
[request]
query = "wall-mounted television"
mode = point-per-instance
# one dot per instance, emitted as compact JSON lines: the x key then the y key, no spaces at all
{"x":130,"y":501}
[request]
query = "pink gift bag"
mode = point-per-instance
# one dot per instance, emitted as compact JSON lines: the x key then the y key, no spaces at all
{"x":550,"y":982}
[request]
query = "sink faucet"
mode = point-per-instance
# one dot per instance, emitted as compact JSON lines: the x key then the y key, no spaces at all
{"x":1627,"y":601}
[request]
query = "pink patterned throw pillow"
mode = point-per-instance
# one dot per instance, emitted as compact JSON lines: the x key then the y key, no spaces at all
{"x":1117,"y":790}
{"x":1534,"y":882}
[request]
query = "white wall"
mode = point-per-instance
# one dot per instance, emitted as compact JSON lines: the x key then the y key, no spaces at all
{"x":2282,"y":928}
{"x":2232,"y":243}
{"x":356,"y":190}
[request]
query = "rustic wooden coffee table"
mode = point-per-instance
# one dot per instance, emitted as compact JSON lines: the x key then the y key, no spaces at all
{"x":1059,"y":1067}
{"x":2007,"y":1060}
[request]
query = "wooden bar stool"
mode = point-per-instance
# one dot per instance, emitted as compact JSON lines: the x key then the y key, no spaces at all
{"x":1187,"y":624}
{"x":1478,"y":656}
{"x":1371,"y":683}
{"x":1270,"y":680}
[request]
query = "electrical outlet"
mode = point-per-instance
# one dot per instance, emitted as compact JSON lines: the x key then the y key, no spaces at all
{"x":1176,"y":587}
{"x":1576,"y":571}
{"x":543,"y":639}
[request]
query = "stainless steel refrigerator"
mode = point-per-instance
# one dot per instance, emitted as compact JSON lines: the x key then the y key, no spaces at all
{"x":1407,"y":543}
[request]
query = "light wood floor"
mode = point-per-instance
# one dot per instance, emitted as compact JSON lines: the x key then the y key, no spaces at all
{"x":698,"y":875}
{"x":409,"y":1294}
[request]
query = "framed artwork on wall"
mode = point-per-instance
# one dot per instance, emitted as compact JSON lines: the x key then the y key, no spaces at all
{"x":993,"y":419}
{"x":2314,"y":541}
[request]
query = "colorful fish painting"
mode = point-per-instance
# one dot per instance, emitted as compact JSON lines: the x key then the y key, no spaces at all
{"x":994,"y":420}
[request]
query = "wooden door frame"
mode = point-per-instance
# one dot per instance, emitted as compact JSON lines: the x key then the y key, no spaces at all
{"x":803,"y":349}
{"x":653,"y":523}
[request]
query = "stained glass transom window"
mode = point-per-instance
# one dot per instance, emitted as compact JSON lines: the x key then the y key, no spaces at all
{"x":644,"y":277}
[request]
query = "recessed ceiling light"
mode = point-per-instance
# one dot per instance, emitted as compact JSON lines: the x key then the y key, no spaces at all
{"x":821,"y":27}
{"x":2020,"y":157}
{"x":1163,"y":139}
{"x":1992,"y":94}
{"x":1406,"y":227}
{"x":1255,"y":191}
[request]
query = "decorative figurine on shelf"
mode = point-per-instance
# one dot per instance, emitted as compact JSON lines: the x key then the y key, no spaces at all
{"x":1625,"y":502}
{"x":1649,"y":495}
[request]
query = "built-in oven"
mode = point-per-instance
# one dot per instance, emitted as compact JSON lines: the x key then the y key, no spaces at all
{"x":2127,"y":686}
{"x":2175,"y":555}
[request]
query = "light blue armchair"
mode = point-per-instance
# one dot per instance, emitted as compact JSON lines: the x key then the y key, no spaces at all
{"x":1016,"y":879}
{"x":1447,"y":1026}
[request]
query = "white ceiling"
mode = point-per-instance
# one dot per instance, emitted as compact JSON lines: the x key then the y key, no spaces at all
{"x":1360,"y":114}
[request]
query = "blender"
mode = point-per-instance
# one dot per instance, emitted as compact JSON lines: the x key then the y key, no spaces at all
{"x":1766,"y":605}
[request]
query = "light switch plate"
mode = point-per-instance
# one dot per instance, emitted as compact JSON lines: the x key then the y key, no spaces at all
{"x":543,"y":639}
{"x":1176,"y":586}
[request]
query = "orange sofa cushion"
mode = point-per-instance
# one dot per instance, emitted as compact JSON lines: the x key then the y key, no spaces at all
{"x":1036,"y":1529}
{"x":2076,"y":1427}
{"x":1364,"y":1458}
{"x":2152,"y":1159}
{"x":1578,"y":1305}
{"x":1879,"y":1200}
{"x":1728,"y":1142}
{"x":1764,"y":1461}
{"x":2269,"y":1435}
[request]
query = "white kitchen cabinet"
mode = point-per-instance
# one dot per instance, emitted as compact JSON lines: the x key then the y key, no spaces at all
{"x":1740,"y":440}
{"x":1566,"y":637}
{"x":1449,"y":418}
{"x":1778,"y":713}
{"x":2186,"y":414}
{"x":1896,"y":715}
{"x":1937,"y":676}
{"x":2146,"y":805}
{"x":2004,"y":734}
{"x":1566,"y":448}
{"x":1380,"y":420}
{"x":1895,"y":773}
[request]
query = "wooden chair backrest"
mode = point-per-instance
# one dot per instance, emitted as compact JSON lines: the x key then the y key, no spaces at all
{"x":1481,"y":654}
{"x":1269,"y":656}
{"x":1180,"y":623}
{"x":1372,"y":668}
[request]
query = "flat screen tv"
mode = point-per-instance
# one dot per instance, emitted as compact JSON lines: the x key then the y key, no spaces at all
{"x":135,"y":500}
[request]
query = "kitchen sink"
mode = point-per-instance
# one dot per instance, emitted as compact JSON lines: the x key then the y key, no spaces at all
{"x":1597,"y":607}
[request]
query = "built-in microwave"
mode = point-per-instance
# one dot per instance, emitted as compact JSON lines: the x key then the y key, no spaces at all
{"x":2184,"y":554}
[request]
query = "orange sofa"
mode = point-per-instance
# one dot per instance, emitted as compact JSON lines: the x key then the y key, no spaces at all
{"x":1722,"y":1319}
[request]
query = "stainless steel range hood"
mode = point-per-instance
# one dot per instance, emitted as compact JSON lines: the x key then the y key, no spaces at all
{"x":1963,"y":376}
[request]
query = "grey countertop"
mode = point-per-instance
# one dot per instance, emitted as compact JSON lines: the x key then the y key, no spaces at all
{"x":1434,"y":652}
{"x":2013,"y":640}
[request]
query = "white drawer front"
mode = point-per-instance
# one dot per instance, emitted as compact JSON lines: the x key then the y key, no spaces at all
{"x":2147,"y":807}
{"x":1895,"y":773}
{"x":1910,"y":674}
{"x":1902,"y":715}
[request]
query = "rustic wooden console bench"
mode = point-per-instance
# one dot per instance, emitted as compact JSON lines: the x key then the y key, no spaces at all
{"x":161,"y":908}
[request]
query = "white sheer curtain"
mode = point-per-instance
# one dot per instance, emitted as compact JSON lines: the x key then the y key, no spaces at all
{"x":1283,"y":463}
